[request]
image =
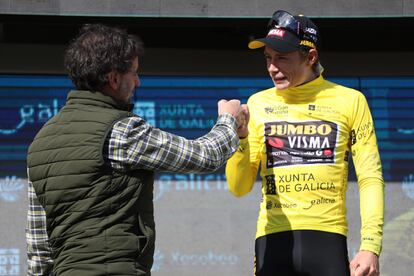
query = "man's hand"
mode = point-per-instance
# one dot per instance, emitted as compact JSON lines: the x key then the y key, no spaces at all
{"x":239,"y":112}
{"x":365,"y":263}
{"x":232,"y":107}
{"x":242,"y":121}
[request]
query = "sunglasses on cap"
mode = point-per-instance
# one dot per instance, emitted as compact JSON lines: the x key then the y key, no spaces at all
{"x":283,"y":19}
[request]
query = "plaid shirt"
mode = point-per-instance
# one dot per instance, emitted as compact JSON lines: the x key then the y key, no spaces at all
{"x":133,"y":144}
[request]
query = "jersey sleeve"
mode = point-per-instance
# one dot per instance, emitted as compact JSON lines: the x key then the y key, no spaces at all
{"x":368,"y":169}
{"x":242,"y":167}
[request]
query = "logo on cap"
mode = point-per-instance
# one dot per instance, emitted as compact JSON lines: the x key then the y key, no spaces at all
{"x":276,"y":32}
{"x":310,"y":30}
{"x":307,"y":43}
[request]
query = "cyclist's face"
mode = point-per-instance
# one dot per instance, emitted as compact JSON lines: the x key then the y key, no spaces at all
{"x":287,"y":69}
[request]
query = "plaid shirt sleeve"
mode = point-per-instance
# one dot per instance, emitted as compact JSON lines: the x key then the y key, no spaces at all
{"x":39,"y":261}
{"x":136,"y":145}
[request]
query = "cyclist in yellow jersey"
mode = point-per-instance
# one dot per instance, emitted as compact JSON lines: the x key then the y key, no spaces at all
{"x":300,"y":134}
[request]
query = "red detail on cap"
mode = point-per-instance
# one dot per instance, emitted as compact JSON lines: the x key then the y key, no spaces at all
{"x":276,"y":143}
{"x":276,"y":32}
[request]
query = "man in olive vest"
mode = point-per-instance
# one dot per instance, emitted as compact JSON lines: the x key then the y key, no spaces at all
{"x":91,"y":166}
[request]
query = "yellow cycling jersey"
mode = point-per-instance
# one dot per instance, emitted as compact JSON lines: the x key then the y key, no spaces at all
{"x":302,"y":138}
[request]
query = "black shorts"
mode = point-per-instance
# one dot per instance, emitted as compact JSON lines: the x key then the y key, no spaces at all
{"x":301,"y":253}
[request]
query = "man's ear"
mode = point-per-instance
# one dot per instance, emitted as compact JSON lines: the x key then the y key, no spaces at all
{"x":313,"y":56}
{"x":113,"y":80}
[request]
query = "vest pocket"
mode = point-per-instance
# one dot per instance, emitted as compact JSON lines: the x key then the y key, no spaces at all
{"x":146,"y":241}
{"x":146,"y":236}
{"x":143,"y":243}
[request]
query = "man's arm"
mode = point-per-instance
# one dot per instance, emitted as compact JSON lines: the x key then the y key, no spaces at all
{"x":240,"y":172}
{"x":242,"y":167}
{"x":134,"y":144}
{"x":39,"y":261}
{"x":371,"y":187}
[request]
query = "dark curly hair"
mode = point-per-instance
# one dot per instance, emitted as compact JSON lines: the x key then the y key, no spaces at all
{"x":96,"y":51}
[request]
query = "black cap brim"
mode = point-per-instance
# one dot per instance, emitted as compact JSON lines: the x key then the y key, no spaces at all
{"x":276,"y":43}
{"x":279,"y":40}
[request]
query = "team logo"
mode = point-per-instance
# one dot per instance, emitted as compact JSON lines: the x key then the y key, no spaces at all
{"x":298,"y":143}
{"x":276,"y":143}
{"x":276,"y":32}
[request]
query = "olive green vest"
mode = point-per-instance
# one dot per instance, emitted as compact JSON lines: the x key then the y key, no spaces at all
{"x":100,"y":221}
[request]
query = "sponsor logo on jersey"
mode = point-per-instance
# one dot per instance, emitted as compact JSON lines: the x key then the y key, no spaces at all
{"x":320,"y":201}
{"x":346,"y":157}
{"x":353,"y":137}
{"x":299,"y":143}
{"x":277,"y":110}
{"x":278,"y":205}
{"x":364,"y":131}
{"x":299,"y":182}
